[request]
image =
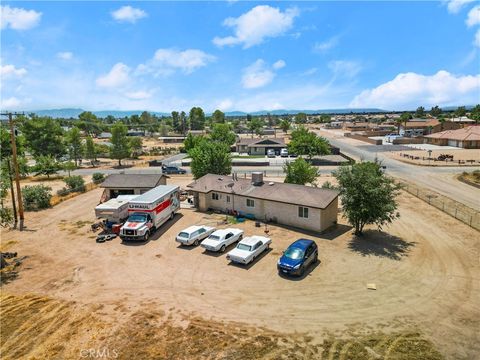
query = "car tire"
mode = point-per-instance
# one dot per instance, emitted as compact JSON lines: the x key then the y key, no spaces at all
{"x":196,"y":242}
{"x":302,"y":271}
{"x":172,"y":215}
{"x":222,"y":249}
{"x":146,"y":236}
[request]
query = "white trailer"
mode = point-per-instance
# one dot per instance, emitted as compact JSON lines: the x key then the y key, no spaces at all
{"x":149,"y":211}
{"x":114,"y":210}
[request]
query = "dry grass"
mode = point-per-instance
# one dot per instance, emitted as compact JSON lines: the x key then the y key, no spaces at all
{"x":39,"y":327}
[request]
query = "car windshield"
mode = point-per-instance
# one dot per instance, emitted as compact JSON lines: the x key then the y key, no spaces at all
{"x":294,"y":253}
{"x":184,"y":234}
{"x":137,"y":218}
{"x":214,"y":237}
{"x":244,"y":247}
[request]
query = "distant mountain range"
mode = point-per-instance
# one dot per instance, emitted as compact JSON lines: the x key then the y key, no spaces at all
{"x":73,"y":113}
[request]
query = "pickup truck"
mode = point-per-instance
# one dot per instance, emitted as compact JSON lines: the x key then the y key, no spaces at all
{"x":248,"y":249}
{"x":221,"y":239}
{"x":194,"y":234}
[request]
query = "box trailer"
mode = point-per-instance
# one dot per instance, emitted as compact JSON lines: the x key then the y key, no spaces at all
{"x":114,"y":210}
{"x":149,"y":211}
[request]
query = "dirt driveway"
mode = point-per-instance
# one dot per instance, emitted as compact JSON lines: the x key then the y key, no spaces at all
{"x":425,"y":269}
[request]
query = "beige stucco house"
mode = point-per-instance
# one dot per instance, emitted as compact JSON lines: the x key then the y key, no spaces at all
{"x":299,"y":206}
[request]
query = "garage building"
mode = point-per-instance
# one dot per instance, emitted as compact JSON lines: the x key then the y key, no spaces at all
{"x":299,"y":206}
{"x":130,"y":184}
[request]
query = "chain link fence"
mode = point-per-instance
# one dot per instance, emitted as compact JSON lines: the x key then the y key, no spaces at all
{"x":453,"y":208}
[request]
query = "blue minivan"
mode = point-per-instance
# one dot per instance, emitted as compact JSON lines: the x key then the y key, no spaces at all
{"x":298,"y":256}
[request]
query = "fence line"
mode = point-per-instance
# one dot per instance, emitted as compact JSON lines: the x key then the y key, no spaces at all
{"x":449,"y":206}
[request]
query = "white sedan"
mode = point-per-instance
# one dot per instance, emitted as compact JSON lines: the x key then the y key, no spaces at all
{"x":248,"y":249}
{"x":220,"y":239}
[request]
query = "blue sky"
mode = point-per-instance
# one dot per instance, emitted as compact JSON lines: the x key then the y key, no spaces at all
{"x":236,"y":55}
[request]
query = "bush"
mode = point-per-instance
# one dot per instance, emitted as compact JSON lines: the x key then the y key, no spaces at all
{"x":6,"y":216}
{"x":75,"y":183}
{"x":36,"y":197}
{"x":98,"y":177}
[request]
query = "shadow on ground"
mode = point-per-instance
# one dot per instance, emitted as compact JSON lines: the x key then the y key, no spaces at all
{"x":381,"y":244}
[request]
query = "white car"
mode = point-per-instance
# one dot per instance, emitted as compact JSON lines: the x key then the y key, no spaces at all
{"x":194,"y":234}
{"x":221,"y":239}
{"x":284,"y":153}
{"x":248,"y":249}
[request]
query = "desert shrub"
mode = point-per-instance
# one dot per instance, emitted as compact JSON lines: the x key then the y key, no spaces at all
{"x":6,"y":216}
{"x":98,"y":177}
{"x":36,"y":197}
{"x":75,"y":183}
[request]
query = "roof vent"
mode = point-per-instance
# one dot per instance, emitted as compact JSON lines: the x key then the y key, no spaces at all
{"x":257,"y":178}
{"x":271,"y":183}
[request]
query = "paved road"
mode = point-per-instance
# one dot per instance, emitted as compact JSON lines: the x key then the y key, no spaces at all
{"x":440,"y":179}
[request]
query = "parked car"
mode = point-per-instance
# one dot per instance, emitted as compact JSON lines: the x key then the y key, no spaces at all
{"x":270,"y":153}
{"x":194,"y":234}
{"x":248,"y":249}
{"x":173,"y":170}
{"x":284,"y":153}
{"x":221,"y":239}
{"x":298,"y":256}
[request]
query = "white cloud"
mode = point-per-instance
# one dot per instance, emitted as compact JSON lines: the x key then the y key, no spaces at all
{"x":260,"y":74}
{"x":138,"y":95}
{"x":18,"y":18}
{"x":7,"y":71}
{"x":345,"y":68}
{"x":454,"y":6}
{"x":67,"y":55}
{"x":326,"y":45}
{"x":473,"y":17}
{"x":254,"y":26}
{"x":128,"y":14}
{"x":10,"y":103}
{"x":279,"y":64}
{"x":409,"y":90}
{"x":225,"y":105}
{"x":476,"y":42}
{"x":310,"y":71}
{"x":118,"y":76}
{"x":166,"y":61}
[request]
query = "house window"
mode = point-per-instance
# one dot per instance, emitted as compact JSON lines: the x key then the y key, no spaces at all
{"x":215,"y":196}
{"x":303,"y":212}
{"x":250,"y":203}
{"x":228,"y":198}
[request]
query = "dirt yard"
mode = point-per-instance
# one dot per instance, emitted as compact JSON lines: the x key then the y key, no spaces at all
{"x":467,"y":157}
{"x":129,"y":297}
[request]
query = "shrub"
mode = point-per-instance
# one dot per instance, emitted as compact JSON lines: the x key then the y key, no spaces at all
{"x":36,"y":197}
{"x":98,"y":177}
{"x":6,"y":216}
{"x":75,"y":183}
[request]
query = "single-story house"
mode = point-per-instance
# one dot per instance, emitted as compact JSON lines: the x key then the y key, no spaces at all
{"x":259,"y":146}
{"x":171,"y":139}
{"x":299,"y":206}
{"x":421,"y":127}
{"x":130,"y":184}
{"x":467,"y":137}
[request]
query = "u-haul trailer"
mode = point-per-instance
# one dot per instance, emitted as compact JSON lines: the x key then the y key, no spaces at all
{"x":114,"y":210}
{"x":149,"y":211}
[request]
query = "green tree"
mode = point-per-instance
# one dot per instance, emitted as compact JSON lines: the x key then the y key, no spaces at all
{"x":120,"y":145}
{"x":210,"y":158}
{"x":300,"y":172}
{"x":176,"y":124}
{"x":75,"y":183}
{"x":191,"y":141}
{"x":300,"y":118}
{"x":325,"y":118}
{"x":135,"y":144}
{"x":74,"y":143}
{"x":43,"y":137}
{"x":249,"y":117}
{"x":304,"y":142}
{"x":255,"y":126}
{"x":46,"y":165}
{"x":184,"y":122}
{"x":69,"y":166}
{"x":197,"y":118}
{"x":285,"y":125}
{"x":461,"y":111}
{"x":420,"y":112}
{"x":90,"y":150}
{"x":402,"y":120}
{"x":435,"y":111}
{"x":223,"y":133}
{"x":218,"y":117}
{"x":36,"y":197}
{"x":475,"y":114}
{"x":368,"y":196}
{"x":89,"y":123}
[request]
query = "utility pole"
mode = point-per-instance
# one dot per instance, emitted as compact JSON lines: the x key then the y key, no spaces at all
{"x":15,"y":167}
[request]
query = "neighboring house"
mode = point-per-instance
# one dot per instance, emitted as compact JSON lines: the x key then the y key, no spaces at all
{"x":130,"y":184}
{"x":303,"y":207}
{"x":414,"y":128}
{"x":171,"y":139}
{"x":104,"y":135}
{"x":136,"y":133}
{"x":462,"y":120}
{"x":467,"y":137}
{"x":258,"y":146}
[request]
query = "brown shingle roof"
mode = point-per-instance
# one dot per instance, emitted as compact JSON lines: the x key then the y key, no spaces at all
{"x":469,"y":133}
{"x":280,"y":192}
{"x":255,"y":142}
{"x":131,"y":181}
{"x":412,"y":124}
